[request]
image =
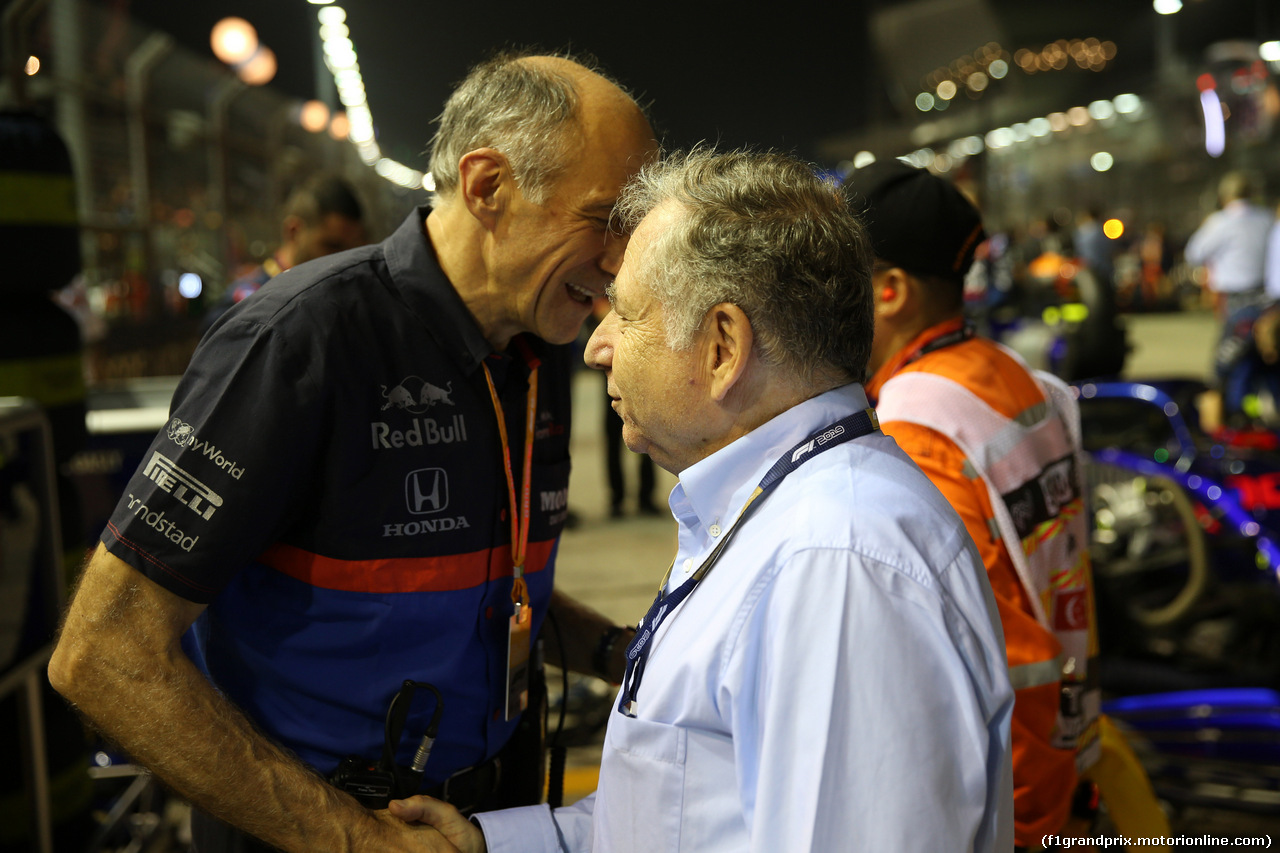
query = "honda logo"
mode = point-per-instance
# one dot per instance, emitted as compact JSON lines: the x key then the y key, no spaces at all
{"x":426,"y":491}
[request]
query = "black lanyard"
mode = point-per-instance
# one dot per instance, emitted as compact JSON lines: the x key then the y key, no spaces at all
{"x":854,"y":426}
{"x":955,"y":336}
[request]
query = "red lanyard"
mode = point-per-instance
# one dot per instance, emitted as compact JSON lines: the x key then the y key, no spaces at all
{"x":520,"y":512}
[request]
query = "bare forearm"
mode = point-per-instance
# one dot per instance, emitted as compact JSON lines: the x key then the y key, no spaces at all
{"x":119,"y":661}
{"x":580,"y":629}
{"x":207,"y":751}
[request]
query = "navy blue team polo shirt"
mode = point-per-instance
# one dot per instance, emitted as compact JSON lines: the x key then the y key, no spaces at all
{"x":331,"y":484}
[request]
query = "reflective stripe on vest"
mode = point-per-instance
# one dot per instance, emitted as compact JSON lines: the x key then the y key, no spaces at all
{"x":1036,"y":674}
{"x":1033,"y":470}
{"x":1026,"y":492}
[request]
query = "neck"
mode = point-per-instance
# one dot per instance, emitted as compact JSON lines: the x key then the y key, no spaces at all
{"x":753,"y":403}
{"x":928,"y":319}
{"x":898,"y":335}
{"x":459,"y":247}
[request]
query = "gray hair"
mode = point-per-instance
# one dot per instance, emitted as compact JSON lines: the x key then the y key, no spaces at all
{"x":761,"y":231}
{"x":523,"y":109}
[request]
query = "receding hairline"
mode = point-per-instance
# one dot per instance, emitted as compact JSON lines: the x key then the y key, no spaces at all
{"x":574,"y":72}
{"x":603,"y":105}
{"x":595,"y":91}
{"x":596,"y":104}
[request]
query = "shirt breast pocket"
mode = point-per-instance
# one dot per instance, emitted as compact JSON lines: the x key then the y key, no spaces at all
{"x":641,"y":786}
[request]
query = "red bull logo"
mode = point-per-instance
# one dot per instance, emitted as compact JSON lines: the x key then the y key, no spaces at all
{"x":420,"y":432}
{"x":416,"y":395}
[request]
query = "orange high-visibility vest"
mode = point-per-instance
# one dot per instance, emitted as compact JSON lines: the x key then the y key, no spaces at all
{"x":1002,"y":444}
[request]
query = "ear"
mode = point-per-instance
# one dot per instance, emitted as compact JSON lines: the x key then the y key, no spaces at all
{"x":290,"y":228}
{"x":893,"y":292}
{"x":485,"y":184}
{"x":729,"y":342}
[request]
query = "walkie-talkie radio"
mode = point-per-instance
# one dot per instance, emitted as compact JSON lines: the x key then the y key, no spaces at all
{"x":376,"y":784}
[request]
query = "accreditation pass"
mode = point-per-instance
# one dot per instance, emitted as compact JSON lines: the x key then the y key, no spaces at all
{"x":519,"y":633}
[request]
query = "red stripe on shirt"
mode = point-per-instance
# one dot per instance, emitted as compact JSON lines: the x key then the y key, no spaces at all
{"x":402,"y":574}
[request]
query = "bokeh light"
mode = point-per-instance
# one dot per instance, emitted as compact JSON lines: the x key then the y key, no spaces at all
{"x":261,"y":67}
{"x":190,"y":285}
{"x":314,"y":116}
{"x":339,"y":126}
{"x":234,"y":40}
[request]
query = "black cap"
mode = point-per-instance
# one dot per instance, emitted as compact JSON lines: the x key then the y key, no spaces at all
{"x":916,"y":220}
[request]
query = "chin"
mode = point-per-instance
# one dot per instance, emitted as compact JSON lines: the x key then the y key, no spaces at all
{"x":634,"y":441}
{"x":565,"y":331}
{"x":553,"y":336}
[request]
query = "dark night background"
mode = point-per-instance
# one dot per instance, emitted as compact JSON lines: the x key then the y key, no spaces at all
{"x":784,"y":75}
{"x":712,"y":71}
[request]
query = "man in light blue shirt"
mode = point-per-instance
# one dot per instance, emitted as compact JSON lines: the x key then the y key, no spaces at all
{"x":824,"y":667}
{"x":1232,"y":245}
{"x":1272,"y":276}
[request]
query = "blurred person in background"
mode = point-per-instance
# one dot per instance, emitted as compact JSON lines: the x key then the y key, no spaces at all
{"x":1156,"y":257}
{"x":321,"y":217}
{"x":1093,"y":246}
{"x":1231,"y":244}
{"x":1003,"y":446}
{"x":1245,"y":363}
{"x":362,"y":485}
{"x":1271,"y":273}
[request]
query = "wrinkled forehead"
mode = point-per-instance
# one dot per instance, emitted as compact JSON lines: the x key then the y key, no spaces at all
{"x":652,"y":237}
{"x":611,"y":129}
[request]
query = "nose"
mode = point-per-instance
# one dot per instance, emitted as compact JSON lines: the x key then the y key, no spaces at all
{"x":615,"y":246}
{"x":598,"y":353}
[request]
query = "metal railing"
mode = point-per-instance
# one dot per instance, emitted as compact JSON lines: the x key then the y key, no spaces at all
{"x":18,"y":418}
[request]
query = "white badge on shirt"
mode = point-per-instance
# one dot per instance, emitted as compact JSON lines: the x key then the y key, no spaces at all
{"x":519,"y":632}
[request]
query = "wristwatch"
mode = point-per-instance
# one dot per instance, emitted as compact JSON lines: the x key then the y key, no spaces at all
{"x":603,"y":657}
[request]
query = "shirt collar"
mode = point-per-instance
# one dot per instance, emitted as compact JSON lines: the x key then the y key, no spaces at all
{"x":714,"y":490}
{"x":902,"y":356}
{"x":417,"y":277}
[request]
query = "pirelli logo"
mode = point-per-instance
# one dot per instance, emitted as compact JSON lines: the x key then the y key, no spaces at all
{"x":184,"y":488}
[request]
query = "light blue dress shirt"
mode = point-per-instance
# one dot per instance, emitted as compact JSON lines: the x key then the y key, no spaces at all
{"x":1232,"y":245}
{"x":837,"y":682}
{"x":1273,"y":263}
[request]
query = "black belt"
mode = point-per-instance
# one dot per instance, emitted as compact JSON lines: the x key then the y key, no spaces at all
{"x":469,"y":788}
